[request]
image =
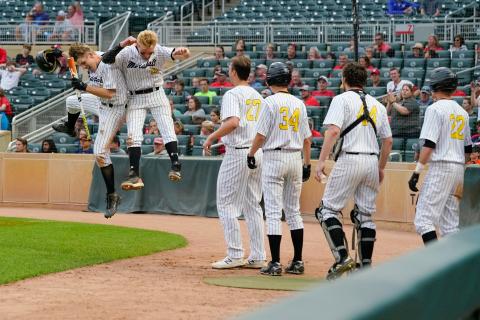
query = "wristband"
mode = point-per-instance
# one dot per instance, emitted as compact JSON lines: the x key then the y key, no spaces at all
{"x":419,"y":167}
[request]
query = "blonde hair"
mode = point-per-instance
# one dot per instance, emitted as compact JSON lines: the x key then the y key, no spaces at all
{"x":78,"y":49}
{"x":208,"y":125}
{"x":147,"y":38}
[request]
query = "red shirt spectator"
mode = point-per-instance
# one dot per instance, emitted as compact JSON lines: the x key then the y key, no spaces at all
{"x":342,"y":61}
{"x":433,"y":44}
{"x":380,"y":45}
{"x":322,"y":88}
{"x":459,"y":93}
{"x":307,"y":98}
{"x":3,"y":56}
{"x":316,"y":134}
{"x":296,"y":81}
{"x":5,"y":104}
{"x":221,"y":81}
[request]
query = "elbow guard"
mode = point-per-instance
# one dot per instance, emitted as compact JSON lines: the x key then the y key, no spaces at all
{"x":109,"y":56}
{"x":429,"y":144}
{"x":469,"y":149}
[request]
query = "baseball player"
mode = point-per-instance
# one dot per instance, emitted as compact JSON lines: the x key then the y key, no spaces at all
{"x":282,"y":133}
{"x":141,"y":61}
{"x":106,"y":96}
{"x":447,"y":145}
{"x":358,"y":170}
{"x":238,"y":188}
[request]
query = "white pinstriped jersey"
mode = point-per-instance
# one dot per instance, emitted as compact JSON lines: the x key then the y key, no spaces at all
{"x":141,"y":73}
{"x":284,"y":122}
{"x":345,"y":109}
{"x":109,"y":78}
{"x":244,"y":103}
{"x":446,"y":124}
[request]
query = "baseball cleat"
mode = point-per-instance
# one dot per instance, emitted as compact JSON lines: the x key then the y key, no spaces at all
{"x":133,"y":182}
{"x":295,"y":267}
{"x":255,"y":264}
{"x":272,"y":269}
{"x":62,"y":127}
{"x":113,"y":200}
{"x":339,"y":268}
{"x":228,"y":263}
{"x":175,"y":174}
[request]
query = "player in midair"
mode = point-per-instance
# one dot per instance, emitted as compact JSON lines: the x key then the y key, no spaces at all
{"x":358,"y":171}
{"x":447,"y":146}
{"x":282,"y":133}
{"x":238,"y":188}
{"x":106,"y":95}
{"x":141,"y":61}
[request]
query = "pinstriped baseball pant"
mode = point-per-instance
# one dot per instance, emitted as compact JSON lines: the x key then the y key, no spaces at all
{"x":282,"y":185}
{"x":110,"y":120}
{"x":239,"y":191}
{"x":90,"y":103}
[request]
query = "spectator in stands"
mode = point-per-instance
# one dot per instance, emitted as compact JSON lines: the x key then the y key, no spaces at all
{"x":21,"y":145}
{"x":85,"y":145}
{"x":396,"y":85}
{"x":219,"y":53}
{"x":40,"y":17}
{"x":291,"y":51}
{"x":78,"y":127}
{"x":296,"y":81}
{"x":169,"y":82}
{"x":26,"y":30}
{"x":11,"y":76}
{"x":401,"y":7}
{"x":195,"y":84}
{"x":207,"y":128}
{"x":75,"y":15}
{"x":158,"y":148}
{"x":48,"y":146}
{"x":204,"y":92}
{"x":405,"y":114}
{"x":376,"y":80}
{"x":240,"y":50}
{"x":322,"y":88}
{"x":215,"y":116}
{"x":115,"y":146}
{"x":152,"y":128}
{"x":252,"y":81}
{"x":175,"y":112}
{"x":221,"y":81}
{"x":330,"y":56}
{"x":430,"y":8}
{"x":315,"y":133}
{"x":24,"y":58}
{"x":459,"y":93}
{"x":314,"y":54}
{"x":425,"y":98}
{"x":266,"y":93}
{"x":195,"y":110}
{"x":269,"y":52}
{"x":260,"y":76}
{"x":365,"y":62}
{"x":240,"y":43}
{"x":3,"y":56}
{"x":432,"y":44}
{"x":369,"y":52}
{"x":418,"y":50}
{"x":5,"y":107}
{"x":476,"y":135}
{"x":307,"y":98}
{"x":467,"y":106}
{"x":475,"y":94}
{"x":179,"y":90}
{"x":342,"y":61}
{"x":458,"y":44}
{"x":63,"y":29}
{"x":380,"y":46}
{"x":475,"y":156}
{"x":178,"y":126}
{"x":350,"y":48}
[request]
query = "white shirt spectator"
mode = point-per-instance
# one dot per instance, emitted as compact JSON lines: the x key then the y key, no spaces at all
{"x":9,"y":79}
{"x":391,"y":87}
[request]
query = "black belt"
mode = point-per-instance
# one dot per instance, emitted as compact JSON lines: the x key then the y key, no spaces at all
{"x":357,"y":153}
{"x":280,"y":149}
{"x":238,"y":148}
{"x":149,"y":90}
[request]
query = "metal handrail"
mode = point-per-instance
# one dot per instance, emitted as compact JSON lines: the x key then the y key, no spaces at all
{"x":447,"y":16}
{"x":182,"y":16}
{"x":205,"y":5}
{"x":125,"y":16}
{"x":160,"y":20}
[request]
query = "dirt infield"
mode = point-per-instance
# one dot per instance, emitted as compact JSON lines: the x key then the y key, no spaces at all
{"x":167,"y":285}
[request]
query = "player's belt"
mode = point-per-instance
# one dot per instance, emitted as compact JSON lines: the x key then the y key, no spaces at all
{"x":144,"y":91}
{"x":367,"y":153}
{"x":238,"y":148}
{"x":282,"y":149}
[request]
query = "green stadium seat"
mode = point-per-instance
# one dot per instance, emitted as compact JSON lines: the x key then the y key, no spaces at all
{"x":28,"y":77}
{"x":463,"y":54}
{"x":63,"y":138}
{"x":178,"y":99}
{"x":324,"y":101}
{"x":461,"y":63}
{"x":22,"y":102}
{"x":301,"y":63}
{"x":314,"y":153}
{"x":183,"y":140}
{"x":203,"y":100}
{"x":334,"y":82}
{"x":376,"y":91}
{"x":146,"y":149}
{"x":39,"y":94}
{"x":32,"y":83}
{"x":445,"y":54}
{"x":67,"y":148}
{"x":191,"y":129}
{"x":339,"y":46}
{"x":412,"y":73}
{"x":207,"y":63}
{"x":56,"y":86}
{"x":186,"y":119}
{"x":323,"y":64}
{"x":398,"y":144}
{"x":17,"y":91}
{"x":148,"y":139}
{"x":336,"y":74}
{"x":181,"y":107}
{"x":35,"y":147}
{"x":217,"y":100}
{"x":392,"y":63}
{"x":193,"y":73}
{"x":316,"y":73}
{"x":317,"y":142}
{"x":414,"y":63}
{"x":436,"y":63}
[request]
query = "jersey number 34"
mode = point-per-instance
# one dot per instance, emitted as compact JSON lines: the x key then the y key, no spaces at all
{"x":289,"y":121}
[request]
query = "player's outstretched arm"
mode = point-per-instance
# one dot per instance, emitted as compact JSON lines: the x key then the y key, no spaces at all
{"x":109,"y":56}
{"x":387,"y":144}
{"x":181,"y":53}
{"x":227,"y":126}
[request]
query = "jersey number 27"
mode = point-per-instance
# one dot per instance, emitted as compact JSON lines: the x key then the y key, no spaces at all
{"x":253,"y":109}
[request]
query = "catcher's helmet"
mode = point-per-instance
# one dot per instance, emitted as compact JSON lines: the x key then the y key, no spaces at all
{"x":47,"y":60}
{"x":443,"y":79}
{"x":278,"y":74}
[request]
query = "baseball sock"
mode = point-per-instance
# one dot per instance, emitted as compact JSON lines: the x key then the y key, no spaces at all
{"x":429,"y":237}
{"x":366,"y":247}
{"x":107,"y":173}
{"x":274,"y":242}
{"x":172,"y":150}
{"x":72,"y":118}
{"x":134,"y":154}
{"x":297,"y":240}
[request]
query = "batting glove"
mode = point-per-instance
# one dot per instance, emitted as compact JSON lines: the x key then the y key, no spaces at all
{"x":251,"y":162}
{"x":307,"y":169}
{"x":79,"y":85}
{"x":412,"y":183}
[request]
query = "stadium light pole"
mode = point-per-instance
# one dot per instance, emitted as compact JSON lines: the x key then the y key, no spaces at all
{"x":356,"y":26}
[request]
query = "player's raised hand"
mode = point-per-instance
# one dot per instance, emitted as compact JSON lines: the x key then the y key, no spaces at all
{"x":128,"y":41}
{"x":181,"y":52}
{"x":78,"y":84}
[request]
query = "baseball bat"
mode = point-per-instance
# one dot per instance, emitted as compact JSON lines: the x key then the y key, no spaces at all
{"x":213,"y":146}
{"x":73,"y":71}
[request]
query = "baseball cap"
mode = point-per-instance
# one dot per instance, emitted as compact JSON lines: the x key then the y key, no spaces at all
{"x":171,"y":78}
{"x":261,"y":66}
{"x":304,"y":87}
{"x":418,"y":45}
{"x":375,"y":71}
{"x":426,"y":89}
{"x":323,"y":78}
{"x":158,"y":140}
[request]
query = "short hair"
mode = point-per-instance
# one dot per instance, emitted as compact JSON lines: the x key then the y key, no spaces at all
{"x":216,"y":111}
{"x":242,"y":66}
{"x":221,"y":48}
{"x":379,"y":34}
{"x":78,"y":49}
{"x":355,"y":75}
{"x":367,"y":59}
{"x":293,"y":44}
{"x":209,"y":125}
{"x":394,"y":69}
{"x":27,"y":46}
{"x":459,"y":36}
{"x":116,"y":140}
{"x":10,"y":63}
{"x":180,"y":82}
{"x":23,"y":141}
{"x":203,"y":79}
{"x":147,"y":38}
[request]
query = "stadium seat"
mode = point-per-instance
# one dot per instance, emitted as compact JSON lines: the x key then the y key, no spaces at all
{"x":17,"y":91}
{"x":217,"y":100}
{"x":203,"y":99}
{"x":181,"y":107}
{"x":414,"y":63}
{"x":463,"y":54}
{"x":193,"y":73}
{"x":324,"y":101}
{"x":436,"y":63}
{"x":461,"y":63}
{"x":317,"y":142}
{"x":63,"y":138}
{"x":191,"y":129}
{"x":323,"y":64}
{"x":315,"y":153}
{"x":148,"y":139}
{"x":208,"y":63}
{"x":67,"y":148}
{"x":398,"y":144}
{"x":56,"y":86}
{"x":186,"y":119}
{"x":376,"y":91}
{"x":39,"y":94}
{"x":35,"y":147}
{"x":391,"y":63}
{"x":146,"y":149}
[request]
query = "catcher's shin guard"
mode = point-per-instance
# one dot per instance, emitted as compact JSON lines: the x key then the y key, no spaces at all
{"x":332,"y":227}
{"x":365,"y":236}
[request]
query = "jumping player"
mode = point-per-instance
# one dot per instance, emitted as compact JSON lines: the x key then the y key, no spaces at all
{"x":358,"y":170}
{"x":141,"y":61}
{"x":282,"y":133}
{"x":238,"y":188}
{"x":447,"y":145}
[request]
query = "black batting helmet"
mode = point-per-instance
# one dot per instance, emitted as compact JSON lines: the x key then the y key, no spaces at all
{"x":278,"y":74}
{"x":47,"y":60}
{"x":443,"y":79}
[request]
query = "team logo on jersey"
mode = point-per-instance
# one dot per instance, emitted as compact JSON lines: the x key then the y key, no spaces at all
{"x":144,"y":65}
{"x":95,"y":79}
{"x":153,"y":70}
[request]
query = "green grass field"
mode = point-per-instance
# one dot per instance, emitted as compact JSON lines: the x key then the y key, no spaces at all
{"x":30,"y":247}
